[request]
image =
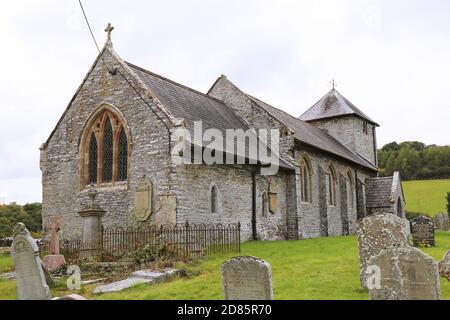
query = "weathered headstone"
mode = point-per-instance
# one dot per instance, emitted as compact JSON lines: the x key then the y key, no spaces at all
{"x":30,"y":278}
{"x":444,"y":266}
{"x":55,"y":260}
{"x":378,"y":232}
{"x":441,"y":220}
{"x":404,"y":273}
{"x":143,"y":199}
{"x":422,"y":229}
{"x":92,"y":221}
{"x":247,"y":278}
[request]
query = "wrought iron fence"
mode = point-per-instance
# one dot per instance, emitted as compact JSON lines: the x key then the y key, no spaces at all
{"x":183,"y":241}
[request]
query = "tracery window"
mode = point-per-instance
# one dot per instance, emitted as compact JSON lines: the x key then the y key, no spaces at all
{"x":106,"y":150}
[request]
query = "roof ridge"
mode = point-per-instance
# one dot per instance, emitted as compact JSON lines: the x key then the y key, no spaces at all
{"x":172,"y":82}
{"x":350,"y":109}
{"x":312,"y":126}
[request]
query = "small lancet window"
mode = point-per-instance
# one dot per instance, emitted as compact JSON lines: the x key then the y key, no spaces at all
{"x":214,"y":200}
{"x":306,"y":193}
{"x":331,"y":186}
{"x":265,"y":205}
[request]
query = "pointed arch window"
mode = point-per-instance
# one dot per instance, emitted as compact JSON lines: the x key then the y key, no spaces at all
{"x":332,"y":181}
{"x":106,"y":150}
{"x":306,"y":173}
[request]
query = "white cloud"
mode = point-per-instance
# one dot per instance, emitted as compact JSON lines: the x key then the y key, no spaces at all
{"x":389,"y":58}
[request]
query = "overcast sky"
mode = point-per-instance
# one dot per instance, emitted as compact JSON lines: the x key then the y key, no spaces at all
{"x":390,"y":58}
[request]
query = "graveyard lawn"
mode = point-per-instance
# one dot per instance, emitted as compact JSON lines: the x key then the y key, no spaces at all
{"x":324,"y":268}
{"x":427,"y":196}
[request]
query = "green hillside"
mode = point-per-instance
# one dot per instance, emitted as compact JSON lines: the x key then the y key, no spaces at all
{"x":427,"y":196}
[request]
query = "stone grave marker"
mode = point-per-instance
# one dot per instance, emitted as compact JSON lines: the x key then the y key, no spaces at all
{"x":55,"y":260}
{"x":378,"y":232}
{"x":444,"y":266}
{"x":30,"y":278}
{"x":422,"y":229}
{"x":403,"y":273}
{"x":247,"y":278}
{"x":441,"y":220}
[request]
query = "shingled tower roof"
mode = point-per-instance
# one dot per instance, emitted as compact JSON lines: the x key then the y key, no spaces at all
{"x":332,"y":105}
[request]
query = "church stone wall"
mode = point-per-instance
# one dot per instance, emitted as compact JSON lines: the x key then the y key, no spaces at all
{"x":234,"y":184}
{"x":317,"y":218}
{"x":60,"y":164}
{"x":349,"y":131}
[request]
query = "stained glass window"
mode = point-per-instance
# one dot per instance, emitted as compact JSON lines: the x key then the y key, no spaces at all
{"x":123,"y":156}
{"x":107,"y":152}
{"x":93,"y":159}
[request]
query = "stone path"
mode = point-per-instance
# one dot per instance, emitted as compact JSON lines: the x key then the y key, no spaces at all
{"x":8,"y":275}
{"x":142,"y":276}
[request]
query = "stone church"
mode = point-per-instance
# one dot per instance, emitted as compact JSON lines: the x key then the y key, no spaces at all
{"x":117,"y":133}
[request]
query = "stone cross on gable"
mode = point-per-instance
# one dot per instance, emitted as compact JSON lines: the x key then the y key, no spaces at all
{"x":54,"y":228}
{"x":108,"y":30}
{"x":333,"y":83}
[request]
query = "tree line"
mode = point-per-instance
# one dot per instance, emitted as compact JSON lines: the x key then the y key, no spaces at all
{"x":30,"y":214}
{"x":415,"y":160}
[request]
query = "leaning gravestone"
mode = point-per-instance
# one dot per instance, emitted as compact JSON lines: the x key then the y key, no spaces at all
{"x":378,"y":232}
{"x":247,"y":278}
{"x":422,"y":229}
{"x":30,"y":278}
{"x":444,"y":266}
{"x":441,"y":220}
{"x":404,"y":273}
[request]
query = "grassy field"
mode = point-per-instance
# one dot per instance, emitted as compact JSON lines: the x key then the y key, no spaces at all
{"x":427,"y":196}
{"x":325,"y":268}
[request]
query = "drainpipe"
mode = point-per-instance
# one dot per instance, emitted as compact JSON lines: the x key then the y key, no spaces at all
{"x":254,"y":232}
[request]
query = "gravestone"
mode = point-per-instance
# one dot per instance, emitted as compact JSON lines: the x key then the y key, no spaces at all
{"x":143,"y":199}
{"x":30,"y":278}
{"x":422,"y":229}
{"x":92,"y":221}
{"x":247,"y":278}
{"x":378,"y":232}
{"x":403,"y":273}
{"x":55,"y":260}
{"x":441,"y":220}
{"x":444,"y":266}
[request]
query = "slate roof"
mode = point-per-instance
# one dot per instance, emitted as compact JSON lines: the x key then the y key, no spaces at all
{"x":333,"y":104}
{"x":191,"y":105}
{"x":378,"y":192}
{"x":313,"y":136}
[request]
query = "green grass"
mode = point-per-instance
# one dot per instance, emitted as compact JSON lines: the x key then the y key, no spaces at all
{"x":324,"y":268}
{"x":5,"y":263}
{"x":427,"y":196}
